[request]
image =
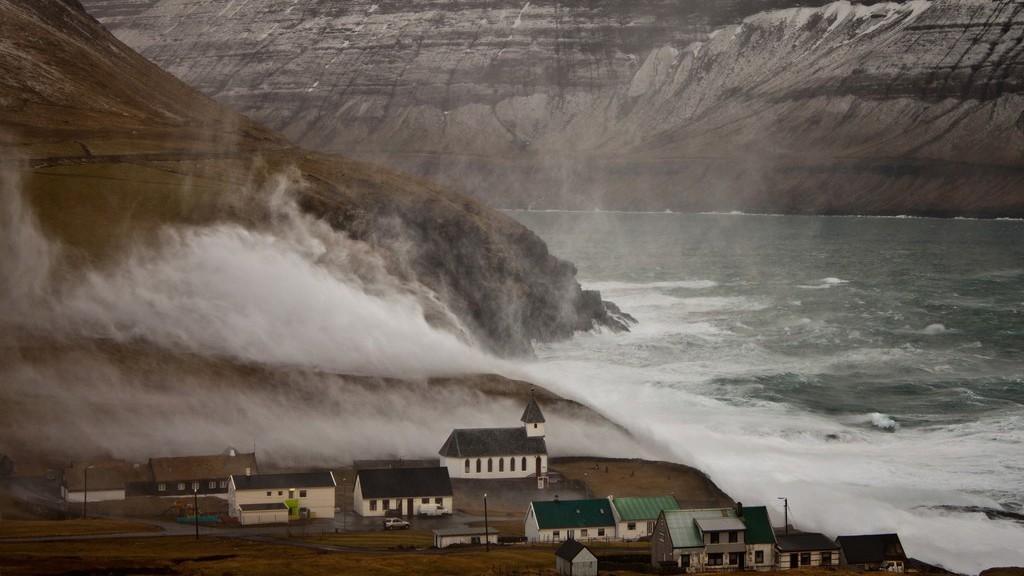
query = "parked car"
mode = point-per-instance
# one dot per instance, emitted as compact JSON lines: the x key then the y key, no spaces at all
{"x":395,"y":524}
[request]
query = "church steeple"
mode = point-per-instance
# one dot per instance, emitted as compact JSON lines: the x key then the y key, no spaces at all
{"x":533,"y":418}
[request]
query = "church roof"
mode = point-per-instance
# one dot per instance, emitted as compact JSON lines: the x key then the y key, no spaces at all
{"x":532,"y":413}
{"x":476,"y":442}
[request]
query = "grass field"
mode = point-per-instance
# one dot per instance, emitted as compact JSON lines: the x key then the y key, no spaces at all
{"x":77,"y":527}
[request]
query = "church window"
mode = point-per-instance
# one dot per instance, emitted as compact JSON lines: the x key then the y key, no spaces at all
{"x":524,"y":463}
{"x":490,"y":464}
{"x":478,"y":465}
{"x":467,"y":465}
{"x":501,"y":464}
{"x":512,"y":464}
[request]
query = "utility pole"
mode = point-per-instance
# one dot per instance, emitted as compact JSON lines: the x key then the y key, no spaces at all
{"x":785,"y":508}
{"x":85,"y":494}
{"x":195,"y":506}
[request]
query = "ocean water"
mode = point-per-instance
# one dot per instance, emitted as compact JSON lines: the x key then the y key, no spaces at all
{"x":870,"y":370}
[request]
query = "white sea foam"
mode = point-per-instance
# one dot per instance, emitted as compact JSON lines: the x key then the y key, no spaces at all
{"x":606,"y":286}
{"x":933,"y":329}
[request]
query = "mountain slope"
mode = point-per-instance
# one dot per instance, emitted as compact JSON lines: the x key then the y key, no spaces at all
{"x":891,"y":108}
{"x":110,"y":151}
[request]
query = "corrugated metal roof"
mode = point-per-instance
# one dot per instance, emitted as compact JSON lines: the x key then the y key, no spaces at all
{"x":284,"y":481}
{"x":720,"y":524}
{"x":405,"y":482}
{"x":683,"y":529}
{"x":759,"y":526}
{"x":478,"y":442}
{"x":573,"y":513}
{"x":636,"y":508}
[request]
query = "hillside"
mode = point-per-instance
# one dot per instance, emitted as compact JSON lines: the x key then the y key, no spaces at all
{"x":176,"y":277}
{"x":769,"y":106}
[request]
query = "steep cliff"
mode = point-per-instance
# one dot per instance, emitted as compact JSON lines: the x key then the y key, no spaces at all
{"x":889,"y":108}
{"x":131,"y":173}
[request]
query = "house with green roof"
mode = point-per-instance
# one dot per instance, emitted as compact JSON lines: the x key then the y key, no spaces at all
{"x":635,"y":516}
{"x":558,"y":520}
{"x":714,"y":539}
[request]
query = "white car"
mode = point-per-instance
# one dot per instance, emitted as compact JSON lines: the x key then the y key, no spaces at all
{"x":395,"y":524}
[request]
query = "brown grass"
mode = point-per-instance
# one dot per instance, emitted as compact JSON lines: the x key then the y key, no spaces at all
{"x":622,"y":477}
{"x":378,"y":540}
{"x":78,"y":527}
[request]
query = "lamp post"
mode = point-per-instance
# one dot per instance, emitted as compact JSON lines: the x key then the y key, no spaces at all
{"x":85,"y":493}
{"x":785,"y":508}
{"x":195,"y":507}
{"x":487,"y":530}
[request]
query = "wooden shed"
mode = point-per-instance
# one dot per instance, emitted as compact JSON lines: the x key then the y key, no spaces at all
{"x":575,"y":559}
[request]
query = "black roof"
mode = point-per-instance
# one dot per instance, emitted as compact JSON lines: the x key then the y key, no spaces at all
{"x":569,"y":550}
{"x":283,"y":481}
{"x":871,"y":548}
{"x":805,"y":542}
{"x":532,"y":412}
{"x":475,"y":442}
{"x":405,"y":482}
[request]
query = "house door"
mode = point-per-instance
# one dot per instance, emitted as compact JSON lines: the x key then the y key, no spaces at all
{"x":794,"y":560}
{"x":570,"y":534}
{"x":409,"y":507}
{"x":538,"y":466}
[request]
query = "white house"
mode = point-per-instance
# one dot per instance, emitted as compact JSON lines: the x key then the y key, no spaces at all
{"x":575,"y":559}
{"x":558,"y":520}
{"x":635,"y":516}
{"x":499,"y":453}
{"x":257,"y":499}
{"x":404,"y":491}
{"x":99,"y":481}
{"x":446,"y":537}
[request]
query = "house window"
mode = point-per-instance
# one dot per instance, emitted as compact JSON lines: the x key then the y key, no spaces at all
{"x":805,"y":558}
{"x":302,"y":493}
{"x":280,"y":492}
{"x":212,"y":485}
{"x":600,"y":531}
{"x":826,"y":558}
{"x":291,"y":493}
{"x":758,"y":556}
{"x":425,"y":501}
{"x":715,"y":559}
{"x":477,"y":465}
{"x":556,"y":534}
{"x":467,"y":465}
{"x":161,"y":487}
{"x":501,"y":464}
{"x":268,"y":492}
{"x":734,"y":558}
{"x":714,"y":537}
{"x":583,"y":533}
{"x":684,"y":561}
{"x":734,"y":536}
{"x":439,"y":501}
{"x":195,"y":486}
{"x":490,"y":464}
{"x":534,"y":425}
{"x":181,"y":485}
{"x":373,"y":505}
{"x":631,"y":526}
{"x":524,"y":463}
{"x":223,"y":483}
{"x":387,"y":504}
{"x":512,"y":464}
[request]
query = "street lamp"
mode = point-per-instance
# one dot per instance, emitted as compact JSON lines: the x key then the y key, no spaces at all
{"x":487,"y":530}
{"x":85,"y":493}
{"x":785,"y":508}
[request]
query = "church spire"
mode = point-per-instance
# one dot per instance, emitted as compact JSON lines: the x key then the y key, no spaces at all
{"x":533,"y":418}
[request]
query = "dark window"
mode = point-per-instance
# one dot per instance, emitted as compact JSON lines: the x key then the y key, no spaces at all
{"x":734,"y":558}
{"x":280,"y":492}
{"x":425,"y":501}
{"x":583,"y":533}
{"x":715,"y":559}
{"x":268,"y":492}
{"x":714,"y":537}
{"x":512,"y":464}
{"x":467,"y":465}
{"x":684,"y":561}
{"x":302,"y":493}
{"x":734,"y":536}
{"x":373,"y":505}
{"x":600,"y":531}
{"x":478,"y":465}
{"x":490,"y":464}
{"x":524,"y":463}
{"x":501,"y":464}
{"x":826,"y":558}
{"x":805,"y":558}
{"x":631,"y":526}
{"x":556,"y":534}
{"x":439,"y":501}
{"x":758,"y":556}
{"x":387,"y":504}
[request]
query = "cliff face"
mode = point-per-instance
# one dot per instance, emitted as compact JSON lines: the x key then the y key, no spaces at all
{"x":123,"y":166}
{"x":890,"y":108}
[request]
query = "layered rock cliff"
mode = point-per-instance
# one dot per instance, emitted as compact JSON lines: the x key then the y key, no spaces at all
{"x":887,"y":108}
{"x":122,"y":165}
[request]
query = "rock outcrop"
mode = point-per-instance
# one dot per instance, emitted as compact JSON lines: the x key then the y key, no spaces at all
{"x":109,"y":150}
{"x":909,"y":107}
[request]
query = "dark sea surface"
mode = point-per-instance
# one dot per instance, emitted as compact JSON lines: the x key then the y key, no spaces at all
{"x":869,"y":369}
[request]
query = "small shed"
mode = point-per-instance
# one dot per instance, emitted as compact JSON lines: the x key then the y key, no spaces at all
{"x":445,"y":537}
{"x":575,"y":559}
{"x":873,"y":552}
{"x":806,"y":549}
{"x":269,"y":513}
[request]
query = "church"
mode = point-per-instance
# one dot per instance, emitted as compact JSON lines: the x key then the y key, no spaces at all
{"x":500,"y":453}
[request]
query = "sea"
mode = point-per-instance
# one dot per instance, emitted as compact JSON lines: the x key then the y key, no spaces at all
{"x":868,"y":372}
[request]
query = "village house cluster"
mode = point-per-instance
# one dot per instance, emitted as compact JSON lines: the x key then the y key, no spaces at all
{"x":687,"y":540}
